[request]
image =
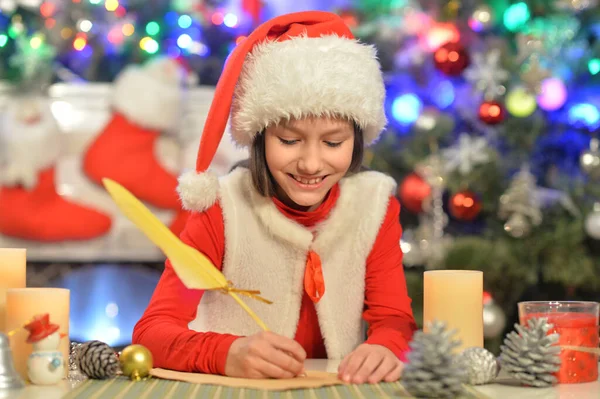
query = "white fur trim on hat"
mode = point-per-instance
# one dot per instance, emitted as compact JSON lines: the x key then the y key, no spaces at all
{"x":198,"y":191}
{"x":302,"y":76}
{"x":148,"y":99}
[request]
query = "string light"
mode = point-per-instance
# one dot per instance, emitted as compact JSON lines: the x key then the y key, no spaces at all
{"x":111,"y":5}
{"x":217,"y":18}
{"x":149,"y":45}
{"x":594,"y":66}
{"x":79,"y":43}
{"x":184,"y":21}
{"x":230,"y":20}
{"x":47,"y":9}
{"x":199,"y":48}
{"x":152,"y":28}
{"x":66,"y":33}
{"x":85,"y":25}
{"x":184,"y":41}
{"x":128,"y":29}
{"x":35,"y":42}
{"x":120,"y":12}
{"x":115,"y":35}
{"x":516,"y":16}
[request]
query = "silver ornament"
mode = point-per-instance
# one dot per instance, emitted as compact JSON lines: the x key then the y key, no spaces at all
{"x":431,"y":120}
{"x":494,"y":320}
{"x":592,"y":223}
{"x":75,"y":375}
{"x":590,"y":160}
{"x":482,"y":18}
{"x":517,"y":225}
{"x":427,"y":121}
{"x":481,"y":365}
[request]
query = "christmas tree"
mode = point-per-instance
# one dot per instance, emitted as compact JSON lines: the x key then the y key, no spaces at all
{"x":493,"y":138}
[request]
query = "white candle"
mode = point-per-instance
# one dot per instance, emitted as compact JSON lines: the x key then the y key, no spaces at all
{"x":12,"y":275}
{"x":25,"y":303}
{"x":456,"y":298}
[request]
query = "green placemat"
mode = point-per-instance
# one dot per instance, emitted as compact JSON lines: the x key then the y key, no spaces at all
{"x":123,"y":388}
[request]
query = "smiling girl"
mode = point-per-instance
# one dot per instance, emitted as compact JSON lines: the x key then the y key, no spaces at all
{"x":301,"y":222}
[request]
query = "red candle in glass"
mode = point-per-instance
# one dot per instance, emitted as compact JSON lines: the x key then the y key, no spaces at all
{"x":577,"y":325}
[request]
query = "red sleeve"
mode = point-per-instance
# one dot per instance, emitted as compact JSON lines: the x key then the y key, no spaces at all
{"x":163,"y":328}
{"x":387,"y":304}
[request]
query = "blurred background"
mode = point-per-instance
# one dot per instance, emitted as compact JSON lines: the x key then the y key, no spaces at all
{"x":494,"y":110}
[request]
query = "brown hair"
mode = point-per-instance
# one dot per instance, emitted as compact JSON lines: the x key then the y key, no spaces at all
{"x":261,"y":176}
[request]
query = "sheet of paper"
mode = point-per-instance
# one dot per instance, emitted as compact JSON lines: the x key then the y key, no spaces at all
{"x":313,"y":379}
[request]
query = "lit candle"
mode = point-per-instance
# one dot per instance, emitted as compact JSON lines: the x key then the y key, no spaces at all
{"x":456,"y":298}
{"x":25,"y":303}
{"x":12,"y":275}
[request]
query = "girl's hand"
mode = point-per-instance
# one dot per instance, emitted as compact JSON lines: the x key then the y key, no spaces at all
{"x":265,"y":355}
{"x":372,"y":364}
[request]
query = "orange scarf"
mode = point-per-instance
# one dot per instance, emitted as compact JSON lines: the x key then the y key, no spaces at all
{"x":314,"y":283}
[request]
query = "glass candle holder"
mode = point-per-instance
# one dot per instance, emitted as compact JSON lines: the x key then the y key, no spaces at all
{"x":577,"y":325}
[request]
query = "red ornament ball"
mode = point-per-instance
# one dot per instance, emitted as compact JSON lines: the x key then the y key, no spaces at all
{"x":465,"y":206}
{"x":413,"y":191}
{"x":491,"y":112}
{"x":451,"y":58}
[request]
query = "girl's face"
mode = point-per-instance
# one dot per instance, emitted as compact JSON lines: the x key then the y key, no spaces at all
{"x":307,"y":157}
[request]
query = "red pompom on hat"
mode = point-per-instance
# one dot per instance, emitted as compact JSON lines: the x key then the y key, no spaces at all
{"x":40,"y":328}
{"x":293,"y":66}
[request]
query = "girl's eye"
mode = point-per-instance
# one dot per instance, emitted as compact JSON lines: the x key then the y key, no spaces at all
{"x":333,"y":144}
{"x":287,"y":142}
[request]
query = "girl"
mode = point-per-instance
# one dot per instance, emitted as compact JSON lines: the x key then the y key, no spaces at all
{"x":302,"y":223}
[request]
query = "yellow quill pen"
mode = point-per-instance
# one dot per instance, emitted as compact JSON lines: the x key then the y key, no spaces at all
{"x":194,"y":269}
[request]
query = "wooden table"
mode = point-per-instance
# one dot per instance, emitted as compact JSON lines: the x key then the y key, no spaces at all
{"x":504,"y":389}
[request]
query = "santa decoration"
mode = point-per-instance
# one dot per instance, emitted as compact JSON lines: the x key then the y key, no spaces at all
{"x":30,"y":207}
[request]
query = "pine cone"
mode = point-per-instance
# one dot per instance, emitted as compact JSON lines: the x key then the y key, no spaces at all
{"x":432,"y":370}
{"x":97,"y":360}
{"x":480,"y":364}
{"x":531,"y":356}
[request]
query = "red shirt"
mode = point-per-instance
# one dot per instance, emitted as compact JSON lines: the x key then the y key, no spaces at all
{"x":163,"y":328}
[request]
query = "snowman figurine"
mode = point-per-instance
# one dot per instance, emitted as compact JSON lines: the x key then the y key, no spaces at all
{"x":46,"y":364}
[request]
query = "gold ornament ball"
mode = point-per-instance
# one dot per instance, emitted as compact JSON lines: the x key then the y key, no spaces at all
{"x":136,"y":362}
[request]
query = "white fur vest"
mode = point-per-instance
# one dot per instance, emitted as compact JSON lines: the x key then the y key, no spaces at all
{"x":266,"y":251}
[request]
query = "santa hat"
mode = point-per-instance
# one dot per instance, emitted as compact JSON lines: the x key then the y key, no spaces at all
{"x":293,"y":66}
{"x":40,"y":328}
